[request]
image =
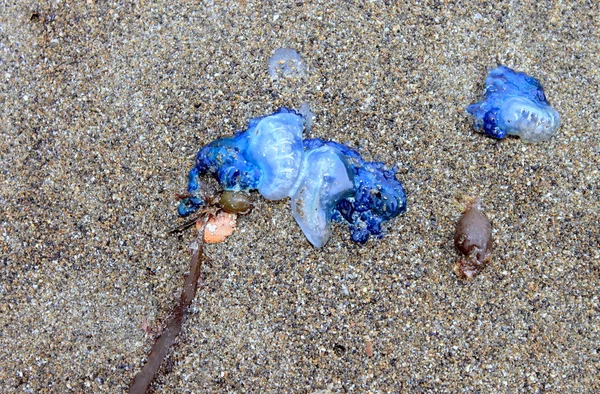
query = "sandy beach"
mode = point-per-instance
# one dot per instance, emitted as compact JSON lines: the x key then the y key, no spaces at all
{"x":105,"y":104}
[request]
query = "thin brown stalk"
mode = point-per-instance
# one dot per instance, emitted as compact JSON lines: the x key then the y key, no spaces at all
{"x":142,"y":381}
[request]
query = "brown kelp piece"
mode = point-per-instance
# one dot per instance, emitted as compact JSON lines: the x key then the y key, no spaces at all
{"x":473,"y":240}
{"x":141,"y":382}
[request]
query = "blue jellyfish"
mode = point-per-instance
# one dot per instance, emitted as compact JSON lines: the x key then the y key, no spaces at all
{"x":514,"y":104}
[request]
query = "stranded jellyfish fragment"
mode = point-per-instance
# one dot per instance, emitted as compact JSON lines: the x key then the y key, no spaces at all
{"x":514,"y":104}
{"x":286,"y":62}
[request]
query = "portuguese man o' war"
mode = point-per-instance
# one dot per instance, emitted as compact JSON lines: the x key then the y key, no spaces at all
{"x":514,"y":104}
{"x":326,"y":181}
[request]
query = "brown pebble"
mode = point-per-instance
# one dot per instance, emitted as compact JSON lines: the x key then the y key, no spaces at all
{"x":473,"y":240}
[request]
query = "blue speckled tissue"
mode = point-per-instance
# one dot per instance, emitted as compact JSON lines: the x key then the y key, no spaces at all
{"x":514,"y":104}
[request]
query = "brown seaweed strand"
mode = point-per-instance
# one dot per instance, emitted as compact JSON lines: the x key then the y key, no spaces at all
{"x":143,"y":379}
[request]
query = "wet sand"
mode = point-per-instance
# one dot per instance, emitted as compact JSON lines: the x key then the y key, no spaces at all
{"x":105,"y":103}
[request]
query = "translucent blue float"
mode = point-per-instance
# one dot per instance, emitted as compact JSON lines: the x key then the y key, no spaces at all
{"x":514,"y":104}
{"x":326,"y":181}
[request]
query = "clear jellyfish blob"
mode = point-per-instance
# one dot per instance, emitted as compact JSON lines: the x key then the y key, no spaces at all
{"x":286,"y":62}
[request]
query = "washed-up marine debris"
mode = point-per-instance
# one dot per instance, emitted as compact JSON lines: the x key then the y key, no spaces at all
{"x":514,"y":104}
{"x":143,"y":379}
{"x":325,"y":180}
{"x":215,"y":222}
{"x":473,"y":240}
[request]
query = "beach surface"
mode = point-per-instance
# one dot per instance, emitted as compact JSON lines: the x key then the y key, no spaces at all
{"x":104,"y":105}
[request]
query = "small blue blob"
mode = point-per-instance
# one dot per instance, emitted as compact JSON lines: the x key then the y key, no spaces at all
{"x":225,"y":160}
{"x":325,"y":180}
{"x":189,"y":205}
{"x":514,"y":104}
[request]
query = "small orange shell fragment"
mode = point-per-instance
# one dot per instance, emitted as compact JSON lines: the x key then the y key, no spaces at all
{"x":218,"y":227}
